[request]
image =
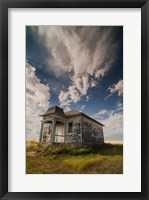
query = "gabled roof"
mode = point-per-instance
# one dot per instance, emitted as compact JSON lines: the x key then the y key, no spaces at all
{"x":59,"y":111}
{"x":72,"y":113}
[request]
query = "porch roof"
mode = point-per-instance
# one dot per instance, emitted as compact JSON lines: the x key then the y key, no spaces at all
{"x":54,"y":110}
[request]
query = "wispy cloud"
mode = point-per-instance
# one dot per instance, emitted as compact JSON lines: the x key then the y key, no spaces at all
{"x":82,"y":107}
{"x":84,"y":52}
{"x":115,"y":88}
{"x":37,"y":97}
{"x":102,"y":114}
{"x":119,"y":106}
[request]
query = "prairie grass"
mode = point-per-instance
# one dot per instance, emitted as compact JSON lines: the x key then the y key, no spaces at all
{"x":96,"y":164}
{"x":31,"y":146}
{"x":63,"y":159}
{"x":81,"y":163}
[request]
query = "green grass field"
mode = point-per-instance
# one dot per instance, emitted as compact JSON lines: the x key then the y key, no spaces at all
{"x":63,"y":159}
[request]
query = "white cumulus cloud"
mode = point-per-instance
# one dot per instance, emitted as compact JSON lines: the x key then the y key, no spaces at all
{"x":37,"y":97}
{"x":72,"y":95}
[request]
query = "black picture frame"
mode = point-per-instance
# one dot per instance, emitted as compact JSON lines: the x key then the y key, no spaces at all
{"x":4,"y":6}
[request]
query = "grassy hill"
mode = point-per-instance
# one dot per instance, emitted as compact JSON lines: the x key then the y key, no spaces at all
{"x":63,"y":159}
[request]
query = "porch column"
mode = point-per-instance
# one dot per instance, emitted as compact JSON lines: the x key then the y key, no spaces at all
{"x":81,"y":127}
{"x":41,"y":132}
{"x":65,"y":129}
{"x":53,"y":130}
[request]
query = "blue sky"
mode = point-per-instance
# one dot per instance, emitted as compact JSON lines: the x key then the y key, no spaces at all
{"x":75,"y":67}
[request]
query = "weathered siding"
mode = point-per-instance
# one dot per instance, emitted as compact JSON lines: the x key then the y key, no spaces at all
{"x":46,"y":135}
{"x":84,"y":130}
{"x":92,"y":132}
{"x":75,"y":135}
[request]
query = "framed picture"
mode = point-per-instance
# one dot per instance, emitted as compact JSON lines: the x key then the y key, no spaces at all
{"x":74,"y":99}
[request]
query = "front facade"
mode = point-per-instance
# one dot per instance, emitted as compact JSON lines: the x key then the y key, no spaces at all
{"x":70,"y":127}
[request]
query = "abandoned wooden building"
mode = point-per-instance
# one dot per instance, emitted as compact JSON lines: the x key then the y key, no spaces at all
{"x":70,"y":127}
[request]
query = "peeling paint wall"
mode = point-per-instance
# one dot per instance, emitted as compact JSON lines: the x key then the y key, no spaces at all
{"x":92,"y":132}
{"x":46,"y":134}
{"x":84,"y":130}
{"x":47,"y":128}
{"x":75,"y":136}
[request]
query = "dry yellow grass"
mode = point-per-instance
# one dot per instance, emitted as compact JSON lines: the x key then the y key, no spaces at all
{"x":44,"y":159}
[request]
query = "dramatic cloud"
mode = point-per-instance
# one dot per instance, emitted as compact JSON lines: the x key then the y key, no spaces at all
{"x":37,"y":97}
{"x":84,"y":52}
{"x":81,"y":65}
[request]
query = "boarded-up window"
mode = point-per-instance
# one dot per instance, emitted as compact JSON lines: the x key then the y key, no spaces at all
{"x":70,"y":125}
